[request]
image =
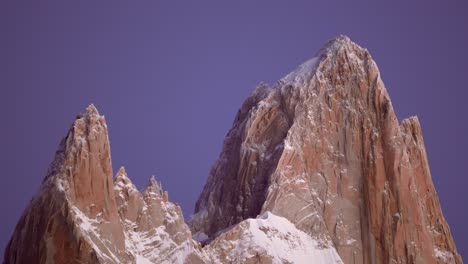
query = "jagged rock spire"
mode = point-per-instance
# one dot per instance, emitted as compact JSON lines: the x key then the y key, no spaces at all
{"x":74,"y":214}
{"x":80,"y":215}
{"x":154,"y":187}
{"x":319,"y":157}
{"x":123,"y":182}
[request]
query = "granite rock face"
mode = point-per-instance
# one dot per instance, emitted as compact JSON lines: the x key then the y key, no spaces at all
{"x":324,"y":149}
{"x":73,"y":217}
{"x":316,"y":169}
{"x":80,"y":215}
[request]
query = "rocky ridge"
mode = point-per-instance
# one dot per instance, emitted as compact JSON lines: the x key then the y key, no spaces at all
{"x":80,"y":215}
{"x":315,"y":168}
{"x":324,"y":149}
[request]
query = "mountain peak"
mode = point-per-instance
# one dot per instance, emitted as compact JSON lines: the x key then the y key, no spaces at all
{"x":154,"y":187}
{"x":153,"y":182}
{"x":80,"y":212}
{"x":121,"y":172}
{"x":91,"y":110}
{"x":338,"y":43}
{"x":340,"y":40}
{"x":318,"y":155}
{"x":122,"y":182}
{"x":322,"y":171}
{"x":340,"y":49}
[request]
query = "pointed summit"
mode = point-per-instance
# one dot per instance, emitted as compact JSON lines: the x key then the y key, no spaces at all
{"x":91,"y":122}
{"x":75,"y":205}
{"x":339,"y":52}
{"x":91,"y":110}
{"x":338,"y":43}
{"x":128,"y":199}
{"x":154,"y":187}
{"x":87,"y":153}
{"x":123,"y":186}
{"x":324,"y":149}
{"x":121,"y":175}
{"x":81,"y":216}
{"x":121,"y":171}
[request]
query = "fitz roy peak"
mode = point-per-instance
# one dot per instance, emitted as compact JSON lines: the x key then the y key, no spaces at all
{"x":315,"y":169}
{"x":324,"y":149}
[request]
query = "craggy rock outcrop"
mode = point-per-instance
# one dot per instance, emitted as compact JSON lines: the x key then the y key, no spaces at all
{"x":73,"y":218}
{"x":154,"y":227}
{"x":80,"y":215}
{"x":315,"y":169}
{"x":324,"y":149}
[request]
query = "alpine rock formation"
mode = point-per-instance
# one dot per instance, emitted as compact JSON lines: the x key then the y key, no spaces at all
{"x":324,"y":149}
{"x":316,"y":169}
{"x":80,"y":215}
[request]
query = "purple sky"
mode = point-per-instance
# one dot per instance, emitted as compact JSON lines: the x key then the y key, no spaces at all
{"x":169,"y":77}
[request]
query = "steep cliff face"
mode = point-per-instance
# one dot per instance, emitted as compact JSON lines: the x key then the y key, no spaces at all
{"x":324,"y":149}
{"x":316,"y":169}
{"x":80,"y":215}
{"x":73,"y":217}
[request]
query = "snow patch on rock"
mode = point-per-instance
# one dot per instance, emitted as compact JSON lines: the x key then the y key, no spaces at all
{"x":302,"y":74}
{"x":272,"y":237}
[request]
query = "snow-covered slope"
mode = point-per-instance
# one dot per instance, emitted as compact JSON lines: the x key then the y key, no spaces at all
{"x":154,"y":228}
{"x":302,"y":74}
{"x":269,"y":239}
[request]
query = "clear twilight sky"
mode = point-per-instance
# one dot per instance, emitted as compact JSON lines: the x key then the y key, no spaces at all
{"x":169,"y":76}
